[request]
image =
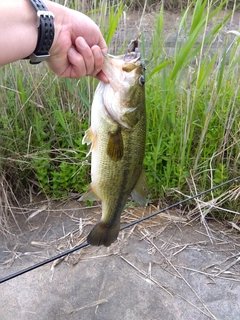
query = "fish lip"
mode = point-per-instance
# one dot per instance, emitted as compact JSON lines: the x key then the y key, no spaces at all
{"x":116,"y":67}
{"x":108,"y":55}
{"x":131,"y":57}
{"x":126,"y":62}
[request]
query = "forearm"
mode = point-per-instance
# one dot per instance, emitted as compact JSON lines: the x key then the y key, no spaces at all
{"x":18,"y":25}
{"x":19,"y":32}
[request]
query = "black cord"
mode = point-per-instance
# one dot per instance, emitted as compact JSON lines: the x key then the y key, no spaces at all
{"x":179,"y":203}
{"x":85,"y":244}
{"x":42,"y":263}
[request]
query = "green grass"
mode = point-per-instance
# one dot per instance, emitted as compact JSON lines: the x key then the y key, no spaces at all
{"x":192,"y":98}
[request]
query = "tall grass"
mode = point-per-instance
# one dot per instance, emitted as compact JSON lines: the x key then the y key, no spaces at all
{"x":192,"y":97}
{"x":193,"y":101}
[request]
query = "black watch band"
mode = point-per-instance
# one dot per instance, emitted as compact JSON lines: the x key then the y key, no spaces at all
{"x":45,"y":24}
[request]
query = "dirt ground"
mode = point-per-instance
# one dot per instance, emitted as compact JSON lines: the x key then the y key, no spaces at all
{"x":164,"y":268}
{"x":169,"y":267}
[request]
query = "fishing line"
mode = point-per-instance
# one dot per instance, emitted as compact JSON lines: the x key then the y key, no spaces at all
{"x":85,"y":244}
{"x":178,"y":203}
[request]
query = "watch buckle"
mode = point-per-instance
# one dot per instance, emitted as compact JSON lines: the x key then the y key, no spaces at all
{"x":34,"y":59}
{"x":42,"y":13}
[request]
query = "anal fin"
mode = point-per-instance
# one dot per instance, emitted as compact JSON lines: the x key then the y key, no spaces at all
{"x":139,"y":193}
{"x":89,"y":195}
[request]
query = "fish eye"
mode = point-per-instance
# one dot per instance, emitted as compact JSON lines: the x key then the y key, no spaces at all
{"x":141,"y":80}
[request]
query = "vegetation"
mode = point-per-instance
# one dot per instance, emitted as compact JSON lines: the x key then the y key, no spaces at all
{"x":176,"y":5}
{"x":193,"y":101}
{"x":192,"y":97}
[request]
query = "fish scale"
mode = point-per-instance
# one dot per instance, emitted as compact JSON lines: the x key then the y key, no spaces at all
{"x":117,"y":136}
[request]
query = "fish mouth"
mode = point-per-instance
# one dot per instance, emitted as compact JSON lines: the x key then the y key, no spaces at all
{"x":113,"y":66}
{"x":128,"y":57}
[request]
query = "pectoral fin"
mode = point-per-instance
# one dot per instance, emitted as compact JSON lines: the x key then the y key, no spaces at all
{"x":139,"y":193}
{"x":115,"y":145}
{"x":89,"y":138}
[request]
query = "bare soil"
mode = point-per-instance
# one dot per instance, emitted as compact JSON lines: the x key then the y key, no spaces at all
{"x":164,"y":268}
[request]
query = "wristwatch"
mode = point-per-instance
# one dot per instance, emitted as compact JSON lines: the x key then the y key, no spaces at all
{"x":45,"y":24}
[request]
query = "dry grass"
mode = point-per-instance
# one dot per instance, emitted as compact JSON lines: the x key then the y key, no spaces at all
{"x":157,"y":234}
{"x":7,"y":199}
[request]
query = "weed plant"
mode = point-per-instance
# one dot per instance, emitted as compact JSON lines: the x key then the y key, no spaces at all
{"x":193,"y":107}
{"x":193,"y":102}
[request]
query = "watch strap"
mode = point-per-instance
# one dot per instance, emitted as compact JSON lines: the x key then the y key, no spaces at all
{"x":45,"y":24}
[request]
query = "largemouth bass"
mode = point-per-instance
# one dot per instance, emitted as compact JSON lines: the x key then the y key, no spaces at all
{"x":117,"y":136}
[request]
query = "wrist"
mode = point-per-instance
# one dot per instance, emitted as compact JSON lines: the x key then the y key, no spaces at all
{"x":45,"y":27}
{"x":58,"y":11}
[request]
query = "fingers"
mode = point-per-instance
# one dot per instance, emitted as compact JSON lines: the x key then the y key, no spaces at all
{"x":87,"y":57}
{"x":86,"y":61}
{"x":98,"y":60}
{"x":81,"y":59}
{"x":101,"y":76}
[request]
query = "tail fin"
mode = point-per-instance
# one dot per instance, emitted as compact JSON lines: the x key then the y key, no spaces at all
{"x":102,"y":234}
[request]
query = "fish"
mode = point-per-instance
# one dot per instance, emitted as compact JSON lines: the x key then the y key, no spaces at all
{"x":117,"y":136}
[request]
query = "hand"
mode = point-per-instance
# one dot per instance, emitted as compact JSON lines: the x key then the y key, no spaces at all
{"x":78,"y":45}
